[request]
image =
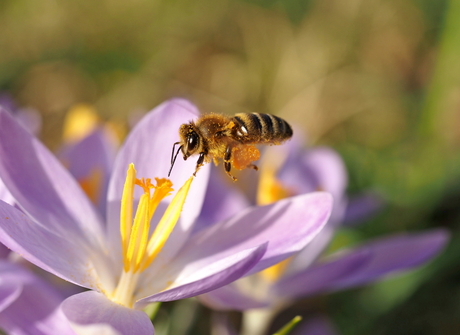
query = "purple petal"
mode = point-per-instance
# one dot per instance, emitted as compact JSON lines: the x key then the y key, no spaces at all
{"x":361,"y":208}
{"x":149,"y":147}
{"x":35,"y":309}
{"x":42,"y":187}
{"x":319,"y":325}
{"x":287,"y":225}
{"x":219,"y":205}
{"x":63,"y":256}
{"x":313,"y":250}
{"x":394,"y":254}
{"x":204,"y":276}
{"x":93,"y":154}
{"x":92,"y":311}
{"x":320,"y":277}
{"x":9,"y":293}
{"x":7,"y":102}
{"x":230,"y":297}
{"x":30,"y":119}
{"x":5,"y":195}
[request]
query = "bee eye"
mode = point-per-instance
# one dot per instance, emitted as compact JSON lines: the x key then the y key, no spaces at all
{"x":192,"y":142}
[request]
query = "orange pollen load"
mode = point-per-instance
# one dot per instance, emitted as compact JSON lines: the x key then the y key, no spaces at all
{"x":244,"y":155}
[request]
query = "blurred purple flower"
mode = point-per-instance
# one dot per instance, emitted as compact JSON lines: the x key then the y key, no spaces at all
{"x":64,"y":234}
{"x":90,"y":161}
{"x":28,"y":117}
{"x":28,"y":305}
{"x":307,"y":273}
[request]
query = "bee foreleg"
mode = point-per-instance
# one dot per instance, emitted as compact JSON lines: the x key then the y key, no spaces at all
{"x":199,"y":162}
{"x":252,"y":166}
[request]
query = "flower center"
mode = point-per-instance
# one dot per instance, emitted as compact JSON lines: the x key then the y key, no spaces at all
{"x":270,"y":188}
{"x":138,"y":248}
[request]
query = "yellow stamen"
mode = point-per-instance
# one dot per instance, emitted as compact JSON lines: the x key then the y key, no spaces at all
{"x":166,"y":224}
{"x":270,"y":188}
{"x":162,"y":190}
{"x":138,"y":249}
{"x":126,"y":211}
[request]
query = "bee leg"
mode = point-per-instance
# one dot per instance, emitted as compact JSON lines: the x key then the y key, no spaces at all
{"x":227,"y":163}
{"x":199,"y":162}
{"x":253,"y":166}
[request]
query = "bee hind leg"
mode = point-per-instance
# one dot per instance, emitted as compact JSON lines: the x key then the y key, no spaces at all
{"x":227,"y":162}
{"x":253,"y":166}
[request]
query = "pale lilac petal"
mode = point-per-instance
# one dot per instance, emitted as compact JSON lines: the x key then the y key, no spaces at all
{"x":65,"y":257}
{"x":222,"y":200}
{"x":288,"y":225}
{"x":313,"y":250}
{"x":395,"y":254}
{"x":149,"y":147}
{"x":30,"y":119}
{"x":195,"y":278}
{"x":230,"y":297}
{"x":4,"y":251}
{"x":93,"y":312}
{"x":315,"y":169}
{"x":93,"y":154}
{"x":5,"y":195}
{"x":319,"y":325}
{"x":321,"y":276}
{"x":362,"y":207}
{"x":42,"y":187}
{"x":9,"y":292}
{"x":35,"y":309}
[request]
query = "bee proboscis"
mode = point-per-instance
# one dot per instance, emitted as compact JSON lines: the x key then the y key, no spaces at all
{"x":232,"y":139}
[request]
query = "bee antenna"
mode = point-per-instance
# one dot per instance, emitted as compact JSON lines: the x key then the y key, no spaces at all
{"x":174,"y":156}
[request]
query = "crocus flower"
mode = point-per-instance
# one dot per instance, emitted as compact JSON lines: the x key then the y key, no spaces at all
{"x":310,"y":271}
{"x":125,"y":263}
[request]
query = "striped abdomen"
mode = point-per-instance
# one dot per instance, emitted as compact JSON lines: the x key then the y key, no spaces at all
{"x":261,"y":128}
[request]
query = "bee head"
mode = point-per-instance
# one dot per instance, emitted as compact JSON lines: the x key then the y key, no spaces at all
{"x":190,"y":141}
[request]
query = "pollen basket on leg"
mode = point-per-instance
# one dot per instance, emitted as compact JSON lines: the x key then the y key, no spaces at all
{"x":242,"y":156}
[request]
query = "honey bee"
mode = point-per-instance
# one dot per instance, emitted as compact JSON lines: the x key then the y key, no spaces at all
{"x":232,"y":139}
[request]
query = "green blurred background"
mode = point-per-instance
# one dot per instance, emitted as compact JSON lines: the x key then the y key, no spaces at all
{"x":378,"y":80}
